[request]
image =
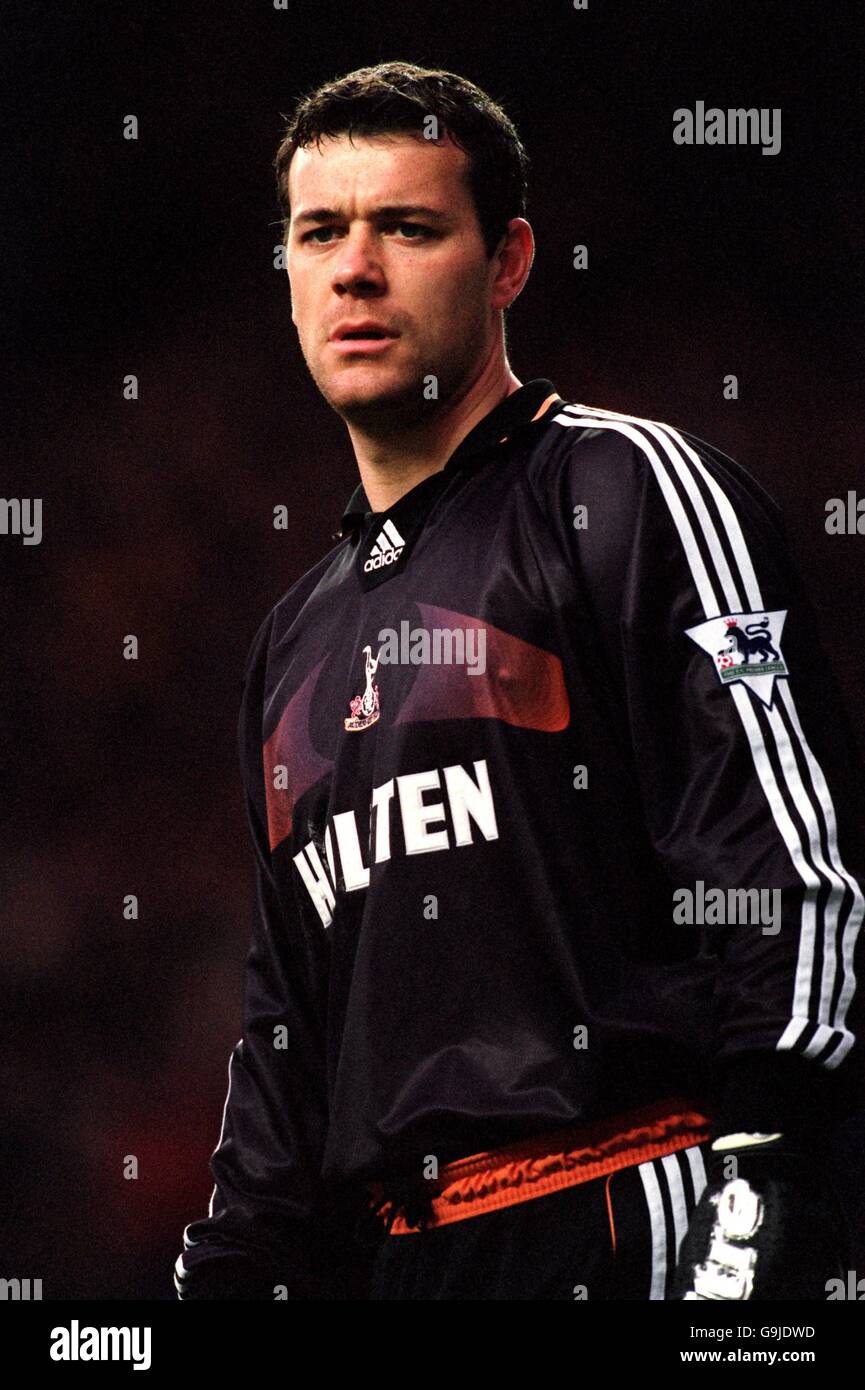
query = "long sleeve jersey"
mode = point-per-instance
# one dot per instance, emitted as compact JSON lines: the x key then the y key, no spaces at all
{"x":555,"y":812}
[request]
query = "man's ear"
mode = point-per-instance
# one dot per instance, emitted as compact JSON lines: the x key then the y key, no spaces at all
{"x":513,"y":260}
{"x":288,"y":278}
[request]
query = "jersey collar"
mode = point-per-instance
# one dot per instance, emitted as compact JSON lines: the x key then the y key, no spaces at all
{"x":525,"y":406}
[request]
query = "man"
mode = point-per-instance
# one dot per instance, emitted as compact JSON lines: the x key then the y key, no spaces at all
{"x":523,"y":754}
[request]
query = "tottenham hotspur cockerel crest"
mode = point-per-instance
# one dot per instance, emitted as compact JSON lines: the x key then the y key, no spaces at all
{"x":365,"y":708}
{"x":745,"y":647}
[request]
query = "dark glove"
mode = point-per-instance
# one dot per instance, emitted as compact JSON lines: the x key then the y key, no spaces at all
{"x":767,"y":1226}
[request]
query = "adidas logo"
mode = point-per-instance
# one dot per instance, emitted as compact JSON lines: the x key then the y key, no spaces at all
{"x":387,"y":549}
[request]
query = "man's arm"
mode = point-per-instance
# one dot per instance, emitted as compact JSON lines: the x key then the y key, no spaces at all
{"x":269,"y":1224}
{"x":750,"y":778}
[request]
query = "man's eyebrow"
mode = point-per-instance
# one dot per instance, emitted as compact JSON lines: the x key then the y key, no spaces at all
{"x":392,"y":210}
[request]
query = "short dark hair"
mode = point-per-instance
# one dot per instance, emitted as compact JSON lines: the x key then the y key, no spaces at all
{"x":391,"y":97}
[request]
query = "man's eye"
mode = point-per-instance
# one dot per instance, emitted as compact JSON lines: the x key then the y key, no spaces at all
{"x":413,"y":227}
{"x":412,"y":231}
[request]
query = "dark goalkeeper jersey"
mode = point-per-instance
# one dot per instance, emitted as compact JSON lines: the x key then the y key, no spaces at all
{"x":555,"y":813}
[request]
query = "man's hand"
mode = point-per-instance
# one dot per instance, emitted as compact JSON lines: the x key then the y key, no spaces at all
{"x":765,"y":1228}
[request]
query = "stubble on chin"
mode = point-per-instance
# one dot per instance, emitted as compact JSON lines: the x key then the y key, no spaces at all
{"x":392,"y":406}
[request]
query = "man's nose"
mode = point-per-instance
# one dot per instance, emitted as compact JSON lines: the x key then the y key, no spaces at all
{"x":358,"y":266}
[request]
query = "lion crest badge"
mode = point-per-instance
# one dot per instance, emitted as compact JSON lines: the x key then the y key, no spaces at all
{"x":745,"y":647}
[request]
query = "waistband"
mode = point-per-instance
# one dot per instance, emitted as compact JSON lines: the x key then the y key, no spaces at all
{"x":535,"y":1167}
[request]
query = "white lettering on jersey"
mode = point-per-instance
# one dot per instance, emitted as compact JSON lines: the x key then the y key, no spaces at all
{"x":468,"y":800}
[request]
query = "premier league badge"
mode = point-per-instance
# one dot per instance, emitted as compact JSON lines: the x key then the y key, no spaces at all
{"x":745,"y":647}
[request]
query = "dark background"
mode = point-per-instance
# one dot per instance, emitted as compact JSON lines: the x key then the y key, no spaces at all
{"x":155,"y":257}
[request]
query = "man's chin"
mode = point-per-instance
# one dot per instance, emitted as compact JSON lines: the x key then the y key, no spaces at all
{"x":366,"y":400}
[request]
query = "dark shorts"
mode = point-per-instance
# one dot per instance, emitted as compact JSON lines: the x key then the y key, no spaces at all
{"x":614,"y":1237}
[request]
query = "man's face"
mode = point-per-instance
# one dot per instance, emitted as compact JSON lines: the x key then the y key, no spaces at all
{"x":385,"y":229}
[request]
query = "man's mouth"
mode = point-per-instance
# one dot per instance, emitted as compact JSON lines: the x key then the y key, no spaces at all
{"x":361,"y":332}
{"x":355,"y":340}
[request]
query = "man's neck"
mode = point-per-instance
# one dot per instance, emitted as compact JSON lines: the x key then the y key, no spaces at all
{"x":391,"y":464}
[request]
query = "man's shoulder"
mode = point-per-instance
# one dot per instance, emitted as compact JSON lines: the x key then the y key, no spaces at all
{"x":591,"y":437}
{"x":283,"y":612}
{"x":576,"y":423}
